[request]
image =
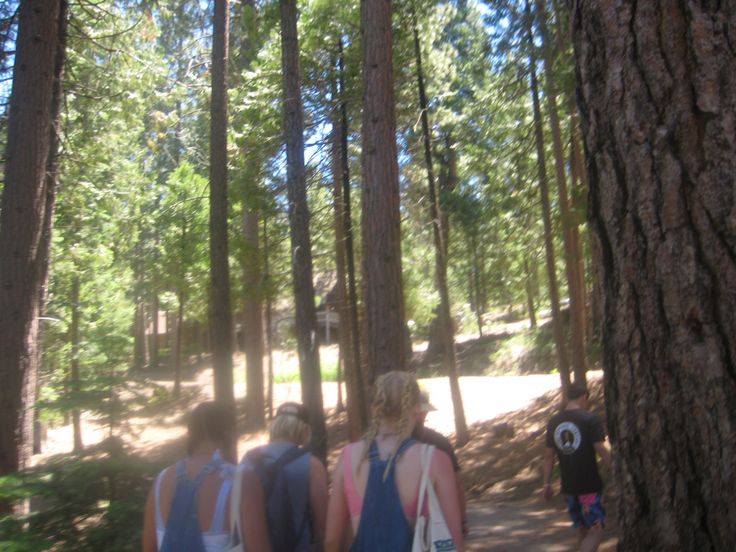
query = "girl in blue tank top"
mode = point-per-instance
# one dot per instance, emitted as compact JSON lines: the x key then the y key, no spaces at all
{"x":188,"y":503}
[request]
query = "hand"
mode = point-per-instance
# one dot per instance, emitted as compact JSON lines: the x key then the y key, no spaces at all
{"x":547,"y":492}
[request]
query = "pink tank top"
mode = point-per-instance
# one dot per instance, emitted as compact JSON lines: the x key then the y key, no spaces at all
{"x":355,"y":501}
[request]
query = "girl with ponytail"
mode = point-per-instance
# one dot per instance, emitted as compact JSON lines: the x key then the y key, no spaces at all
{"x":375,"y":487}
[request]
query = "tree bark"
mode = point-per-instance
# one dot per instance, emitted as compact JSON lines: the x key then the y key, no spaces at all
{"x":383,"y":297}
{"x":349,"y":322}
{"x":657,"y":92}
{"x":570,"y":238}
{"x":255,"y":409}
{"x":529,"y":294}
{"x":25,"y":207}
{"x":269,"y":320}
{"x":74,"y":381}
{"x":253,"y":324}
{"x":177,"y":343}
{"x":554,"y":299}
{"x":306,"y":318}
{"x":436,"y":218}
{"x":221,"y":326}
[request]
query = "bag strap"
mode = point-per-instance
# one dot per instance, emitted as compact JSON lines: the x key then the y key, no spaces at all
{"x":426,"y":456}
{"x":236,"y":532}
{"x":267,"y":472}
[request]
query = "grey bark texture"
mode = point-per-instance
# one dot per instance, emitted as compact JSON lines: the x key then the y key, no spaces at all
{"x":657,"y":94}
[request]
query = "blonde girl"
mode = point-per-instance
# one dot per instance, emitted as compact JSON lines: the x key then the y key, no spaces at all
{"x":375,"y":486}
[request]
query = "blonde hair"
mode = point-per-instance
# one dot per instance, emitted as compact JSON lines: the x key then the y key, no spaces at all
{"x":396,"y":394}
{"x":289,"y":427}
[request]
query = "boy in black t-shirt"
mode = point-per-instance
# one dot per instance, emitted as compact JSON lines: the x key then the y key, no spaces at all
{"x":576,"y":435}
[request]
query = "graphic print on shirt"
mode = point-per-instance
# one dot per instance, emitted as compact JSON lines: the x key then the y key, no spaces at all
{"x":567,"y":437}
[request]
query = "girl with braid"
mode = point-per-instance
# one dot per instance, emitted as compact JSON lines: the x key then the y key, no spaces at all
{"x":375,"y":487}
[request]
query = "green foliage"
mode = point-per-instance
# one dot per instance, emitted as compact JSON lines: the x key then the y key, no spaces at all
{"x":88,"y":502}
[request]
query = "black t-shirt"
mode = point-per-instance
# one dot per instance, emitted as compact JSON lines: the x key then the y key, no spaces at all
{"x":431,"y":437}
{"x":572,"y":434}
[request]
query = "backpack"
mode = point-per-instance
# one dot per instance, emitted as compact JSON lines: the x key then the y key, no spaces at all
{"x":283,"y":534}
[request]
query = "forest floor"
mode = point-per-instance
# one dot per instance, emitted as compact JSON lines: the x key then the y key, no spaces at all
{"x":501,"y":464}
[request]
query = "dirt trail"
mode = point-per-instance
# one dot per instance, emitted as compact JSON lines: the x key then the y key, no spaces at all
{"x":501,"y":472}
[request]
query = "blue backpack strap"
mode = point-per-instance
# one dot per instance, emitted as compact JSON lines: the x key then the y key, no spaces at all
{"x":218,"y":518}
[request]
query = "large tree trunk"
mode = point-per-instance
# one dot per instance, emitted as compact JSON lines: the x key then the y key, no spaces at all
{"x":26,"y":201}
{"x":383,"y":298}
{"x":570,"y":239}
{"x":558,"y":329}
{"x":657,"y":91}
{"x":306,"y":317}
{"x":221,"y":327}
{"x":436,"y":217}
{"x":349,"y":322}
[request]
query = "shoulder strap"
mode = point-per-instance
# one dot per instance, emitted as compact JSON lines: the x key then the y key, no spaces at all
{"x":426,"y":455}
{"x":236,"y":532}
{"x":266,"y":472}
{"x":157,"y":494}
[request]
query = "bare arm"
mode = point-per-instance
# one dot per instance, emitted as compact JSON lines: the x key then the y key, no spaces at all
{"x":443,"y":478}
{"x":253,"y":514}
{"x":149,"y":543}
{"x":318,"y":497}
{"x":604,"y":452}
{"x":549,"y":461}
{"x":337,"y":510}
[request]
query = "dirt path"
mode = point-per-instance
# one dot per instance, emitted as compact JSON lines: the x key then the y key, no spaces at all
{"x":524,"y":526}
{"x":500,"y":473}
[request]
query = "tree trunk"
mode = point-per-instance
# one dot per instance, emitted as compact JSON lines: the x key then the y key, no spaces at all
{"x":221,"y":326}
{"x":74,"y":381}
{"x":306,"y":318}
{"x":436,"y":217}
{"x":176,"y":349}
{"x":570,"y":238}
{"x":255,"y":409}
{"x":269,"y":320}
{"x":345,"y":264}
{"x":554,"y":299}
{"x":529,"y":295}
{"x":657,"y":86}
{"x":383,"y":297}
{"x":25,"y":205}
{"x":253,"y":324}
{"x":153,"y":347}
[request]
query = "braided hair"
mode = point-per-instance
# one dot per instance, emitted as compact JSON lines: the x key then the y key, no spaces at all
{"x":396,"y":394}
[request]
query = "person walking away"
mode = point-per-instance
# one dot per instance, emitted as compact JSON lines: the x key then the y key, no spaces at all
{"x":290,"y":482}
{"x":193,"y":494}
{"x":427,"y":435}
{"x":576,"y":436}
{"x":375,"y":487}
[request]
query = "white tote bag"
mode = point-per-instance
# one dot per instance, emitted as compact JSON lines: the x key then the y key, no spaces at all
{"x":235,"y":543}
{"x":430,"y":533}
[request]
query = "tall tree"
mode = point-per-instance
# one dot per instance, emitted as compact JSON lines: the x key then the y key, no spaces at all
{"x":253,"y":334}
{"x":306,"y":317}
{"x":349,"y":328}
{"x":27,"y":200}
{"x":554,"y":298}
{"x":440,"y":236}
{"x":383,"y":299}
{"x":657,"y":92}
{"x":570,"y":238}
{"x":221,"y":327}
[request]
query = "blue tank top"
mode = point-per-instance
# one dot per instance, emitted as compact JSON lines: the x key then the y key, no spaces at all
{"x":383,"y":524}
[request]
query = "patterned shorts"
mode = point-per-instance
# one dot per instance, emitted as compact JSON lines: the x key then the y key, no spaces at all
{"x":586,"y":510}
